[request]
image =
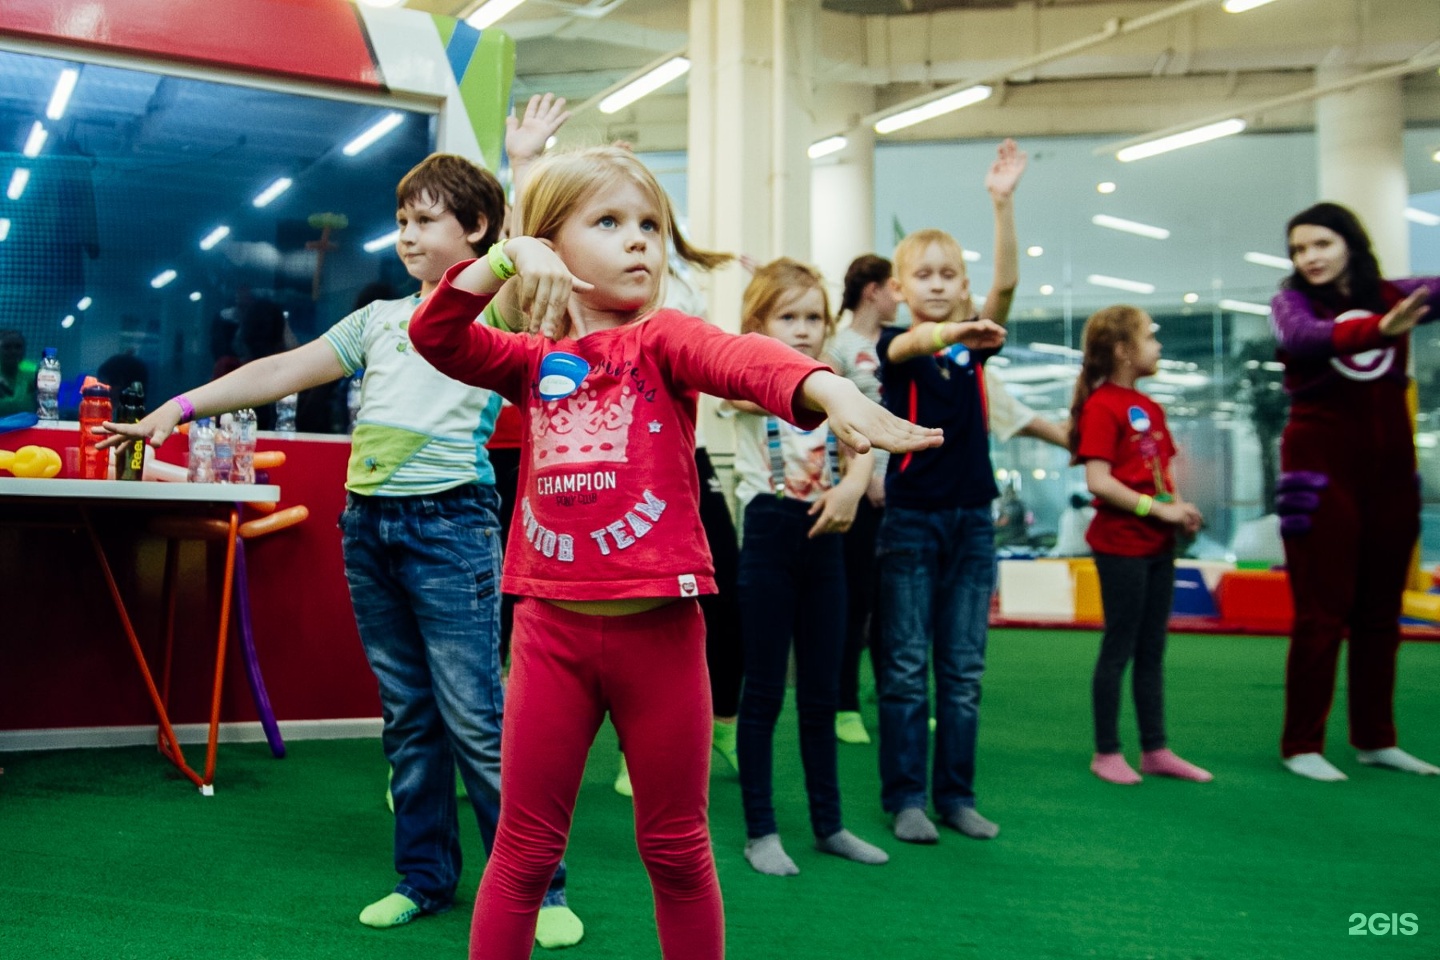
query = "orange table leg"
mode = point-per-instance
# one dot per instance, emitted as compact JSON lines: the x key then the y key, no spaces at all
{"x":168,"y":595}
{"x":167,"y":730}
{"x":225,"y":596}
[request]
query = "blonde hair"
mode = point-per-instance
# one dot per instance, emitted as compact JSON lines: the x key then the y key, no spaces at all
{"x":562,"y":182}
{"x":772,"y":283}
{"x":1104,"y":331}
{"x":910,"y":249}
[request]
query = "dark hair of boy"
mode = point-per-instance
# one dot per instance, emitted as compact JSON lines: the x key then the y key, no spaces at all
{"x":468,"y":191}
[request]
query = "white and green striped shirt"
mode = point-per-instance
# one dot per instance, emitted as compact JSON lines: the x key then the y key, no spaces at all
{"x":417,"y":432}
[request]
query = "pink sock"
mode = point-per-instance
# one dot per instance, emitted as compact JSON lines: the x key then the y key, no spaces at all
{"x":1112,"y":767}
{"x":1164,"y":763}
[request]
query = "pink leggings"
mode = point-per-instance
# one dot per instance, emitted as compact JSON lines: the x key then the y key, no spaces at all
{"x":566,"y":670}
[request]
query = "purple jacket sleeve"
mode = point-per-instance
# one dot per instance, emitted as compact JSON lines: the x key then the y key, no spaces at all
{"x":1304,"y":336}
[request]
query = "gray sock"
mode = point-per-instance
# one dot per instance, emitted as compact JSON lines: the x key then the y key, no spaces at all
{"x":970,"y":823}
{"x":912,"y":826}
{"x":768,"y":857}
{"x":846,"y":844}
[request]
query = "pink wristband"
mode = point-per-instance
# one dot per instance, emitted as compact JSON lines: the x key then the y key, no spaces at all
{"x":187,"y":409}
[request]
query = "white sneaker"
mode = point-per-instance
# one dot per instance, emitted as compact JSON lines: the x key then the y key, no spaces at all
{"x":1397,"y":759}
{"x":1314,"y":766}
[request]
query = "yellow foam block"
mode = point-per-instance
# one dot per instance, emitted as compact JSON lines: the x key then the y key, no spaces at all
{"x":1087,"y":591}
{"x":1421,"y":606}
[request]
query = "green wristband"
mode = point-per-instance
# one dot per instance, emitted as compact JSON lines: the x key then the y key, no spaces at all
{"x":938,"y":335}
{"x":1142,"y":507}
{"x":500,"y":264}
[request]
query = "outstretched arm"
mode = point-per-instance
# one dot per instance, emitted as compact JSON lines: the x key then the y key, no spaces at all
{"x":861,"y":423}
{"x":1001,"y":181}
{"x":261,"y":381}
{"x":925,"y":338}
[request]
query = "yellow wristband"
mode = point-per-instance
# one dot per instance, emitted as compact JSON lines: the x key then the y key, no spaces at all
{"x":939,"y":336}
{"x":1142,"y":507}
{"x":500,"y":264}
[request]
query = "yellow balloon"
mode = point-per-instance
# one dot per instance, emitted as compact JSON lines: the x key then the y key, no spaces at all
{"x":32,"y":461}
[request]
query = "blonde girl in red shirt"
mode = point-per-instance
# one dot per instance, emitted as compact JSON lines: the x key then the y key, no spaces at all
{"x":1120,"y":435}
{"x":607,"y":551}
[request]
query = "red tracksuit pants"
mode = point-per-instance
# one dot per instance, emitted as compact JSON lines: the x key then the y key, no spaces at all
{"x":1350,"y":515}
{"x":566,"y":670}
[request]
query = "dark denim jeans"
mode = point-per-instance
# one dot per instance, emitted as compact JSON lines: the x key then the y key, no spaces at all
{"x":937,"y":571}
{"x":790,"y":586}
{"x":424,"y":576}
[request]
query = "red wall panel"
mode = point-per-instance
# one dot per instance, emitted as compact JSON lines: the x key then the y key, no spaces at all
{"x":312,"y":39}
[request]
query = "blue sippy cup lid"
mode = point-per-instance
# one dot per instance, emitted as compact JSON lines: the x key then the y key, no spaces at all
{"x":561,"y":375}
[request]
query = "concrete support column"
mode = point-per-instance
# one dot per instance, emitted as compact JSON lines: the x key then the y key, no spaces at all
{"x":752,"y":63}
{"x":842,"y":207}
{"x":1358,"y":135}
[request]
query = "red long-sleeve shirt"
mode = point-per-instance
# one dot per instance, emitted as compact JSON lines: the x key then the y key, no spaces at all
{"x":608,"y":499}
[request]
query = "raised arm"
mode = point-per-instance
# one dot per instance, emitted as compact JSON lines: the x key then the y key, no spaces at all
{"x":525,"y":139}
{"x":1001,"y":181}
{"x":258,"y":382}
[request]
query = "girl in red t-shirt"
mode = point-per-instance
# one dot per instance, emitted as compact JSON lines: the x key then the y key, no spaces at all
{"x":1120,"y":435}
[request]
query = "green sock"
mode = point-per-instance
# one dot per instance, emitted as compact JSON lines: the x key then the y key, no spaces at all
{"x":558,"y":927}
{"x":723,"y":740}
{"x":390,"y":911}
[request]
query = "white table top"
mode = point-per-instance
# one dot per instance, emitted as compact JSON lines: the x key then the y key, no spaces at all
{"x":56,"y":489}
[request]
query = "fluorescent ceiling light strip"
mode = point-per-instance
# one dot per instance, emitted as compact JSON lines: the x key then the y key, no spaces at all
{"x":162,"y":278}
{"x":4,"y":228}
{"x":68,"y":322}
{"x":935,"y":108}
{"x":195,"y":296}
{"x":1279,"y":263}
{"x":823,"y":148}
{"x":491,"y":12}
{"x":381,"y":243}
{"x":214,"y":237}
{"x":36,"y":141}
{"x":18,"y":180}
{"x":60,"y":99}
{"x":1245,"y":306}
{"x":671,"y":69}
{"x":377,"y":130}
{"x":272,"y":191}
{"x":1240,"y":6}
{"x":1187,"y":138}
{"x":1423,"y":217}
{"x":84,"y":304}
{"x":1130,"y":226}
{"x":1119,"y":283}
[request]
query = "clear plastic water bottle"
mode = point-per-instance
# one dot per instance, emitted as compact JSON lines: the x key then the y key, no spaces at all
{"x":285,"y":413}
{"x":242,"y":440}
{"x":202,"y":451}
{"x":224,"y":448}
{"x":353,"y":394}
{"x":47,"y":386}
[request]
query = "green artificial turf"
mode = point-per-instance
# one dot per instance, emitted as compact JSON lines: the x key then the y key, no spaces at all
{"x":106,"y":854}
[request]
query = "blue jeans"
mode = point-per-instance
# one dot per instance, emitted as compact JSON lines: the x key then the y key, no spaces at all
{"x":424,"y":575}
{"x":790,"y":586}
{"x":937,"y":571}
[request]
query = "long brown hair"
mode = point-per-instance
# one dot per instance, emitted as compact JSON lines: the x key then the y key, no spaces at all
{"x":1104,"y":331}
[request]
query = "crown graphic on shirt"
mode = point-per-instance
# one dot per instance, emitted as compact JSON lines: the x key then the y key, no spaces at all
{"x":582,"y":428}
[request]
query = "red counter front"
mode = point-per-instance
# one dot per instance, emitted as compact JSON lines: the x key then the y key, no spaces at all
{"x":64,"y":663}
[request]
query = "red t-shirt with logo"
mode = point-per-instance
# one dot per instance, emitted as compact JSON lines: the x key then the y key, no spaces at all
{"x":1127,"y":429}
{"x":607,"y":505}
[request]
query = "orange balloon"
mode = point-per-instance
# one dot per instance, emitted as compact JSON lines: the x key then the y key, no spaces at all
{"x":269,"y":459}
{"x":278,"y":520}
